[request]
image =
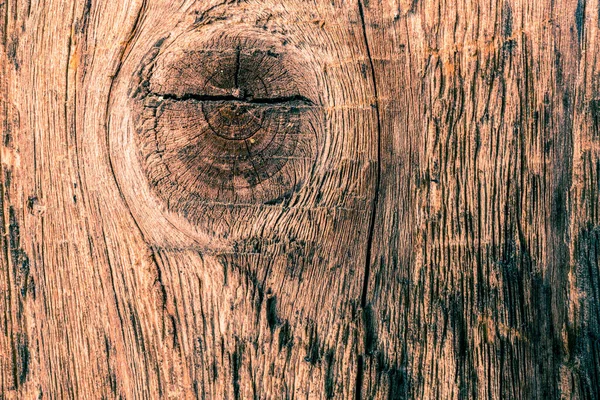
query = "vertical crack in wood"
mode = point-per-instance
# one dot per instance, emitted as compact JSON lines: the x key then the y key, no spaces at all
{"x":6,"y":12}
{"x":237,"y":67}
{"x":372,"y":220}
{"x":9,"y":313}
{"x":252,"y":162}
{"x":8,"y":317}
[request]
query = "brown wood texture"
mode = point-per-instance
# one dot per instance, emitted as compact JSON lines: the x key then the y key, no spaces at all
{"x":300,"y":200}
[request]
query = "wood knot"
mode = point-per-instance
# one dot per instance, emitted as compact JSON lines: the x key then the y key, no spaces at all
{"x":222,"y":122}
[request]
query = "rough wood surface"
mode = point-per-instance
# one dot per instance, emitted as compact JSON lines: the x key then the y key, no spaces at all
{"x":288,"y":200}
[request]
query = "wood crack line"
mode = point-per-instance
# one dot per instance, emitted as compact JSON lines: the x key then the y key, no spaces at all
{"x":292,"y":100}
{"x":372,"y":220}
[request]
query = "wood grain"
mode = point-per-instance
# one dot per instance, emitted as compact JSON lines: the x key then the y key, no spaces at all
{"x":325,"y":200}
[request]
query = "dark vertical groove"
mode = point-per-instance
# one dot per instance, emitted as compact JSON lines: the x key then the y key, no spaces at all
{"x":237,"y":67}
{"x":8,"y":318}
{"x":371,"y":231}
{"x":363,"y":300}
{"x":9,"y":326}
{"x":359,"y":378}
{"x":6,"y":12}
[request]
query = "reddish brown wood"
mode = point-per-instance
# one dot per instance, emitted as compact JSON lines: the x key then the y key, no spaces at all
{"x":278,"y":200}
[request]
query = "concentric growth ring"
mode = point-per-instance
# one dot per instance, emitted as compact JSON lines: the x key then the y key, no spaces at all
{"x":222,"y":124}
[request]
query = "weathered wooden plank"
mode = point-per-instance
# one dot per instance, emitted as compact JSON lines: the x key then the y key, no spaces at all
{"x":482,"y":266}
{"x":357,"y":199}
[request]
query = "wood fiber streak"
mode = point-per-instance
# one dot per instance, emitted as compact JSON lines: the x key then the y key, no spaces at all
{"x":357,"y":199}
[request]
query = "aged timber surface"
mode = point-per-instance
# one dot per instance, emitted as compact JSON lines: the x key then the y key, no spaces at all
{"x":286,"y":200}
